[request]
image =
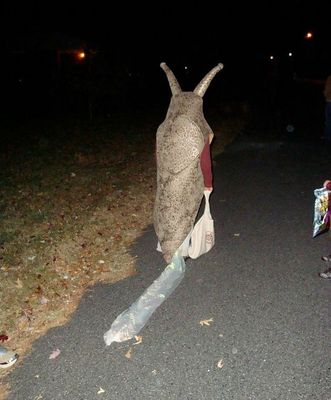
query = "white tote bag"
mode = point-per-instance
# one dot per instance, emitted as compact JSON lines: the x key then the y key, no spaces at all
{"x":202,"y":237}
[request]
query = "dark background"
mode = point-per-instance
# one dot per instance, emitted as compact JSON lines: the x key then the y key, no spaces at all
{"x":124,"y":44}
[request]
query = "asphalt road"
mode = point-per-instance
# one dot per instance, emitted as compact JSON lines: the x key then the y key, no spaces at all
{"x":270,"y":310}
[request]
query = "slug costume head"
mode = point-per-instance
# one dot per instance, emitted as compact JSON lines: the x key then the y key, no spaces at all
{"x":180,"y":140}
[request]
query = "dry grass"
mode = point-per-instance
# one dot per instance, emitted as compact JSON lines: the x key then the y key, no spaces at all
{"x":73,"y":201}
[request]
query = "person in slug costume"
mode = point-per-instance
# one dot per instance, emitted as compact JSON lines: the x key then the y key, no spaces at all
{"x":183,"y":164}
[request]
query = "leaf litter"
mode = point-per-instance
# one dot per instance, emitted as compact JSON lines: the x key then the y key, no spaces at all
{"x":139,"y":340}
{"x":54,"y":354}
{"x":206,"y":321}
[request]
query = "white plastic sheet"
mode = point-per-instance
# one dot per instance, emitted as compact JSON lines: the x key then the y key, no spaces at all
{"x":130,"y":322}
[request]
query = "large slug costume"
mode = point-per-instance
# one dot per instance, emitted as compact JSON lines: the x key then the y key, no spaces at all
{"x":180,"y":140}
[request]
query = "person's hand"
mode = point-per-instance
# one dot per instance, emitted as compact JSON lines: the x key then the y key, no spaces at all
{"x":326,"y":183}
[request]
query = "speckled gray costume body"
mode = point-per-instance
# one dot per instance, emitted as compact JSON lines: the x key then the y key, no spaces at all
{"x":180,"y":140}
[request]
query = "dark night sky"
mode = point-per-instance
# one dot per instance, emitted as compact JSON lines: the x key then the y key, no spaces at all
{"x":137,"y":36}
{"x":221,"y":29}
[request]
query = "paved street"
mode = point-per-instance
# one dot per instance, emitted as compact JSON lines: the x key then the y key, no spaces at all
{"x":270,"y":310}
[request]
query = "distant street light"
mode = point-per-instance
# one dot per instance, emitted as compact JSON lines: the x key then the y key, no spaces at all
{"x":81,"y":55}
{"x":76,"y":53}
{"x":308,"y":35}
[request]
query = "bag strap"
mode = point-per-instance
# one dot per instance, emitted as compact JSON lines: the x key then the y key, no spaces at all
{"x":207,"y":206}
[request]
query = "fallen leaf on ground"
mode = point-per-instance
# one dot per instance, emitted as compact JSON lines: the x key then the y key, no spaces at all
{"x":101,"y":391}
{"x":128,"y":354}
{"x":54,"y":354}
{"x":43,"y":300}
{"x":220,"y":364}
{"x":3,"y":338}
{"x":18,"y":283}
{"x":206,"y":321}
{"x":139,"y":339}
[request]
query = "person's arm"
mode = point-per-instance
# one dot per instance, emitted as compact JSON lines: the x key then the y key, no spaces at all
{"x":206,"y":166}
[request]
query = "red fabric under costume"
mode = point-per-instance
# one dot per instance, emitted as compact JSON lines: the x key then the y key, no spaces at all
{"x":206,"y":166}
